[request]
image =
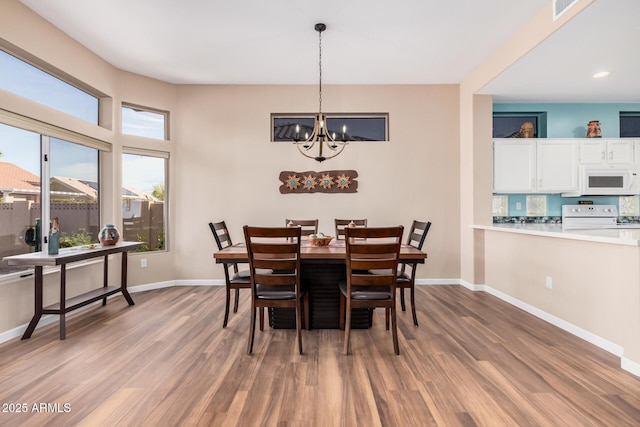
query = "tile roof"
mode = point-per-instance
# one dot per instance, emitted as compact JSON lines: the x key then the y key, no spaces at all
{"x":14,"y":177}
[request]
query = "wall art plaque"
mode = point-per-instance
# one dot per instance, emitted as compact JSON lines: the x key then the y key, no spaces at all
{"x":338,"y":181}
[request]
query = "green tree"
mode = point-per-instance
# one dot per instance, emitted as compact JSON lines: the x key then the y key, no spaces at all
{"x":158,"y":191}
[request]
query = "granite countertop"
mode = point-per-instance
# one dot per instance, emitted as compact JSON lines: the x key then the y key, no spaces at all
{"x":619,"y":236}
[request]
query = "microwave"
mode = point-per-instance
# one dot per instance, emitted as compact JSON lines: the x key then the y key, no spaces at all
{"x":618,"y":180}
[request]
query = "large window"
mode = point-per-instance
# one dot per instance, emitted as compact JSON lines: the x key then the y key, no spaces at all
{"x":359,"y":127}
{"x":629,"y":124}
{"x":142,"y":121}
{"x":22,"y":78}
{"x":71,"y":193}
{"x":508,"y":124}
{"x":144,"y":193}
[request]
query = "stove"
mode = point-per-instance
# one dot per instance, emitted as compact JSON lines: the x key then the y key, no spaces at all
{"x":575,"y":217}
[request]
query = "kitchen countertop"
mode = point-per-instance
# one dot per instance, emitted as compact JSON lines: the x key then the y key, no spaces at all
{"x":618,"y":236}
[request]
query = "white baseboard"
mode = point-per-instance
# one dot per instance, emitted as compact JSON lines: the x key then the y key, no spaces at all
{"x":594,"y":339}
{"x":630,"y":366}
{"x":615,"y":349}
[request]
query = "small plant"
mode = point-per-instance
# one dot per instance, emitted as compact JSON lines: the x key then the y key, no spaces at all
{"x":79,"y":238}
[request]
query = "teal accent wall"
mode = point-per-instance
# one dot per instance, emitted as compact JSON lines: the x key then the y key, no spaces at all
{"x":570,"y":120}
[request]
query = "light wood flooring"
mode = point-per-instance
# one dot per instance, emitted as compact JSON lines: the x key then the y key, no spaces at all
{"x":474,"y":360}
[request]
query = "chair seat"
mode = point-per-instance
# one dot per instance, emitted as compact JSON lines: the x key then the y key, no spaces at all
{"x":241,"y":277}
{"x":244,"y":276}
{"x":366,"y":293}
{"x":275,"y":292}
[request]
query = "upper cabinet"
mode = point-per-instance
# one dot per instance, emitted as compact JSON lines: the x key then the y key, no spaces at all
{"x":606,"y":152}
{"x":514,"y":166}
{"x":557,"y":165}
{"x":535,"y":166}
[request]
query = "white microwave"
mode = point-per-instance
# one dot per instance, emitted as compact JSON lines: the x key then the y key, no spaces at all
{"x":619,"y":180}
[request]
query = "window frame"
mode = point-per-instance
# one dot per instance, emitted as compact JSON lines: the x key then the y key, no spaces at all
{"x":541,"y":120}
{"x":128,"y":150}
{"x":46,"y":133}
{"x":334,"y":116}
{"x":628,"y":114}
{"x":133,"y":106}
{"x":55,"y":73}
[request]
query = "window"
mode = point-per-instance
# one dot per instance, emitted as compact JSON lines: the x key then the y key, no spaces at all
{"x":143,"y":198}
{"x":507,"y":124}
{"x":23,"y":79}
{"x":360,"y":127}
{"x":71,"y":192}
{"x":629,"y":124}
{"x":142,"y":121}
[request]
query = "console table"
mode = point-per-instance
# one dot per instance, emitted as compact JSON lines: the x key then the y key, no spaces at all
{"x":67,"y":255}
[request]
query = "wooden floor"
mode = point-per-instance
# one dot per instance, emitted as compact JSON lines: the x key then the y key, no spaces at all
{"x":474,"y":360}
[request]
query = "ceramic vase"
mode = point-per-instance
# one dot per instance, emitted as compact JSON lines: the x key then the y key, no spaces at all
{"x":109,"y":235}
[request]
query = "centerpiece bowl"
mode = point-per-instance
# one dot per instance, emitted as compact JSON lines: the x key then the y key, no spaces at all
{"x":319,"y":239}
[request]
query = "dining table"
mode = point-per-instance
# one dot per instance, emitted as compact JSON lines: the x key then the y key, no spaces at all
{"x":322,"y":268}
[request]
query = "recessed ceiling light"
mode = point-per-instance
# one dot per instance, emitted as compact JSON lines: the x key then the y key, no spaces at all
{"x":601,"y":74}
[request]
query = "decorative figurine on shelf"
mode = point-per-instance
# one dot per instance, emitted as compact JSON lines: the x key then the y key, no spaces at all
{"x":526,"y":130}
{"x":593,"y":129}
{"x":54,"y":237}
{"x":109,"y":235}
{"x":32,"y":236}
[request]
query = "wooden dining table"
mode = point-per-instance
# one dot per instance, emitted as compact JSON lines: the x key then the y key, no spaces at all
{"x":322,"y":268}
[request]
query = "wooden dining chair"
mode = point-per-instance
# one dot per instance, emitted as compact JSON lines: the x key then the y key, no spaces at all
{"x":235,"y":279}
{"x":274,"y":269}
{"x":407,"y":271}
{"x":378,"y":254}
{"x":342,"y":223}
{"x":308,"y":226}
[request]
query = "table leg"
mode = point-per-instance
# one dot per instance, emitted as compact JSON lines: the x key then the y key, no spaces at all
{"x":63,"y":297}
{"x":123,"y":280}
{"x":37,"y":312}
{"x":105,"y":277}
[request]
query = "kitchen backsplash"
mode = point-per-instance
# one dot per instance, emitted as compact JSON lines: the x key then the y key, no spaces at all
{"x":547,"y":208}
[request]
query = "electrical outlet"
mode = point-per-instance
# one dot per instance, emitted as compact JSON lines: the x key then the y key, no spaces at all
{"x":143,"y":263}
{"x":519,"y":206}
{"x":549,"y":282}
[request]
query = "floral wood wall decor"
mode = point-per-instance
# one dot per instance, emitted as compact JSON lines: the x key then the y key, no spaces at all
{"x":339,"y":181}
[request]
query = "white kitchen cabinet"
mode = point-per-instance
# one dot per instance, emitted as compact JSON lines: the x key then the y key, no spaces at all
{"x":535,"y":166}
{"x":604,"y":152}
{"x":557,"y":166}
{"x":514,"y":166}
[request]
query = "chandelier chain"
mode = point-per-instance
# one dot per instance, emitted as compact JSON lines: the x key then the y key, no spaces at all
{"x":320,"y":66}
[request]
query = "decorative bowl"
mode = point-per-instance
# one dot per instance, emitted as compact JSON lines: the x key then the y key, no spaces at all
{"x":318,"y":240}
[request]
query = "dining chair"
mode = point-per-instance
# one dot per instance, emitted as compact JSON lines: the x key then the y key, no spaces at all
{"x":274,"y":270}
{"x":308,"y":226}
{"x":236,"y":279}
{"x":378,"y":254}
{"x":407,"y":271}
{"x":342,"y":223}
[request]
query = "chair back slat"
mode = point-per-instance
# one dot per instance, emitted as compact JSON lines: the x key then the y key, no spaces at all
{"x":340,"y":225}
{"x":307,"y":226}
{"x":372,"y":280}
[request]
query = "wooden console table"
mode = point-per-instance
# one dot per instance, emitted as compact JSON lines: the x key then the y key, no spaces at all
{"x":67,"y":255}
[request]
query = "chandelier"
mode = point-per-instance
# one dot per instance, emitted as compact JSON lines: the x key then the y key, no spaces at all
{"x":327,"y":143}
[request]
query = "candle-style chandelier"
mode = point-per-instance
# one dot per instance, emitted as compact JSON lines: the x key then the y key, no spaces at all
{"x":329,"y":145}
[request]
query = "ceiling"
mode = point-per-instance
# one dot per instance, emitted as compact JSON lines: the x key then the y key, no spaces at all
{"x":366,"y":42}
